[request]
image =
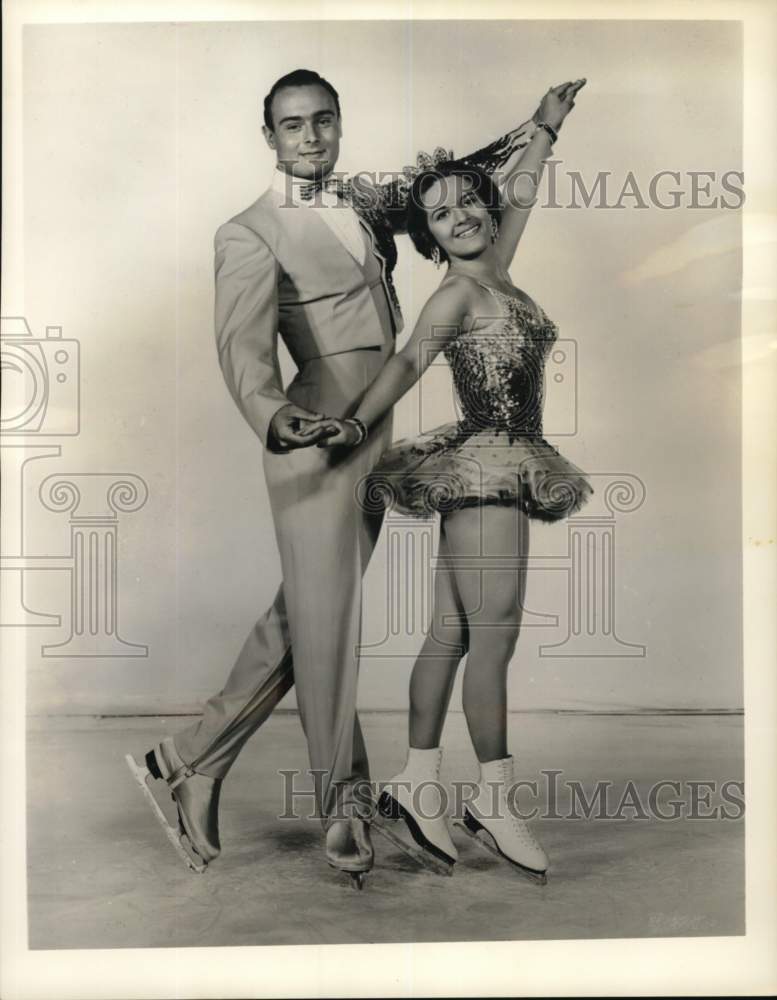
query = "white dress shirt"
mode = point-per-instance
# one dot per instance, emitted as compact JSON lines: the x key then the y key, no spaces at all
{"x":339,"y":216}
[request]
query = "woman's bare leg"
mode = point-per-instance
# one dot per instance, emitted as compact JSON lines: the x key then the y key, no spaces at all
{"x":491,"y":588}
{"x":431,"y":682}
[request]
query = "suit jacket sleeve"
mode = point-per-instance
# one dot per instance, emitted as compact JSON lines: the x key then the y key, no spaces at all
{"x":247,"y":325}
{"x":393,"y":196}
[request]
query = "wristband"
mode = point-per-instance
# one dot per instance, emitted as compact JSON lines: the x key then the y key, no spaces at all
{"x":360,"y":426}
{"x":550,"y":130}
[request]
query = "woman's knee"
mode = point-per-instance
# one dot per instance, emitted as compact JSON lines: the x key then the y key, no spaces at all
{"x":500,"y":633}
{"x":450,"y":641}
{"x":501,"y":611}
{"x":449,"y":630}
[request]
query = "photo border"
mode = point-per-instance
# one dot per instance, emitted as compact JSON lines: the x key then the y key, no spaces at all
{"x":676,"y":966}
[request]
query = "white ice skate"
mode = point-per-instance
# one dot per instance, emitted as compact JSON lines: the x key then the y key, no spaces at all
{"x":489,"y":821}
{"x":414,"y":796}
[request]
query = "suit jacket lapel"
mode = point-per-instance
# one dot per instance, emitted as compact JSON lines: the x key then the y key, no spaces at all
{"x":373,"y":243}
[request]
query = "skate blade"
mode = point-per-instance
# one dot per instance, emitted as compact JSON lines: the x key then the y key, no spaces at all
{"x":356,"y":878}
{"x":436,"y":865}
{"x":141,"y":774}
{"x":485,"y":839}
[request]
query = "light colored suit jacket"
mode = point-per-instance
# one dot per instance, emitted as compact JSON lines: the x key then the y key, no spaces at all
{"x":281,"y":269}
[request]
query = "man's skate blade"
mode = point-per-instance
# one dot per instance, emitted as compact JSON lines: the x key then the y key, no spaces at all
{"x":483,"y":838}
{"x":141,"y":774}
{"x":356,"y":876}
{"x":436,"y":865}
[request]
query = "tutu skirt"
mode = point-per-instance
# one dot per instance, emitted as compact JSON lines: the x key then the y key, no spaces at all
{"x":455,"y":466}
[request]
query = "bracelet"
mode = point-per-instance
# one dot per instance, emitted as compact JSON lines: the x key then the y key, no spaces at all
{"x":550,"y":130}
{"x":360,"y":426}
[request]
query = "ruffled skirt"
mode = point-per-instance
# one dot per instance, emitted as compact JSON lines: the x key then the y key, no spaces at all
{"x":454,"y":467}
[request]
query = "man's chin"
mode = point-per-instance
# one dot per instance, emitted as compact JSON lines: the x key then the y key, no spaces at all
{"x":310,"y":169}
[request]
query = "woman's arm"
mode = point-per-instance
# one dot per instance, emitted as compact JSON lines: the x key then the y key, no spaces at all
{"x":499,"y":158}
{"x":522,"y":180}
{"x":392,"y":196}
{"x":440,"y":320}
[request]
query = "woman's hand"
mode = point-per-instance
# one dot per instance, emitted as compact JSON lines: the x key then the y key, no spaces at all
{"x":557,"y":103}
{"x":340,"y":432}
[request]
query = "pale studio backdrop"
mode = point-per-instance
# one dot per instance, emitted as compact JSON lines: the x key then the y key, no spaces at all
{"x":141,"y":139}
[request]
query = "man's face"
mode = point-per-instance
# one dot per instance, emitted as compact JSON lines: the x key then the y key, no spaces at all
{"x":306,"y":130}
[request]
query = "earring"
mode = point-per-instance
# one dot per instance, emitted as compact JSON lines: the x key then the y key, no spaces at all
{"x":436,"y":256}
{"x":494,"y":229}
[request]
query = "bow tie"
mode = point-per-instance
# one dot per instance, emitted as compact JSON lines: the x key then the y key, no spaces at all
{"x":332,"y":184}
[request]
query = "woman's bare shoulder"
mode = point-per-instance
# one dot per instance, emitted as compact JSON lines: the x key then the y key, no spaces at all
{"x":468,"y":294}
{"x":457,"y":292}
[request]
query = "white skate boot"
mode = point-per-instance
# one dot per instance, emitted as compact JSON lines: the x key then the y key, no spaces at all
{"x":416,"y":797}
{"x":489,"y":821}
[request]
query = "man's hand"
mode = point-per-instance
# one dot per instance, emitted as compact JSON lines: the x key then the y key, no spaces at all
{"x":295,"y":427}
{"x":557,"y":103}
{"x":340,"y":433}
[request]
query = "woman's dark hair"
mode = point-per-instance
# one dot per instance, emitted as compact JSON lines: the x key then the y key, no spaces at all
{"x":417,"y":212}
{"x":297,"y":78}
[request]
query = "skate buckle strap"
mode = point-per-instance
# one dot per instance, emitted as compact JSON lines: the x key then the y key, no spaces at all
{"x":178,"y":777}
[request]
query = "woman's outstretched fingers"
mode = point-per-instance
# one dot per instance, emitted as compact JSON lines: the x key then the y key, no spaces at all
{"x":568,"y":91}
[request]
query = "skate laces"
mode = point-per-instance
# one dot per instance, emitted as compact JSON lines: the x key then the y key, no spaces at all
{"x":519,"y":825}
{"x":524,"y":831}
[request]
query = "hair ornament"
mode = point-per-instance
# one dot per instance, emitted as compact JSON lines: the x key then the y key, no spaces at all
{"x":429,"y":161}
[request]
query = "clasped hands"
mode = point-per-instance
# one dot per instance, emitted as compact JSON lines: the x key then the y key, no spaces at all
{"x":295,"y":427}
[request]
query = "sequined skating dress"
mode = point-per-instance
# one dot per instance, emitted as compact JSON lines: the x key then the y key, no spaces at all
{"x":496,"y":452}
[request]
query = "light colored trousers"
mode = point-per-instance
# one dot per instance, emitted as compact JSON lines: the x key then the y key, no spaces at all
{"x":325,"y":538}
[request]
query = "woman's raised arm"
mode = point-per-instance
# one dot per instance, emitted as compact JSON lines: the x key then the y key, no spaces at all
{"x":522,"y":181}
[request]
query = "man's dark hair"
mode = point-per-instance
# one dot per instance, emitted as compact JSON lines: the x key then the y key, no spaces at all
{"x":297,"y":78}
{"x":417,"y":218}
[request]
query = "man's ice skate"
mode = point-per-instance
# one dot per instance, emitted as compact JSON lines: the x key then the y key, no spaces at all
{"x":414,"y":796}
{"x":349,"y":849}
{"x":491,"y":823}
{"x":195,"y":835}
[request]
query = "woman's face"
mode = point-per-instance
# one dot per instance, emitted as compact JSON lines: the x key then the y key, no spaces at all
{"x":457,"y":219}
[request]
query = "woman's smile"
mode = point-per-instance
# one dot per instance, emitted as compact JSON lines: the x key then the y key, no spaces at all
{"x":466,"y":229}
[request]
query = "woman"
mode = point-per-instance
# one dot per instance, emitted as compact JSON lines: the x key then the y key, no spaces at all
{"x":487,"y":475}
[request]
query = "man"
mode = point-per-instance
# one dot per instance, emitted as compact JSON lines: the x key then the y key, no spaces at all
{"x":315,"y":265}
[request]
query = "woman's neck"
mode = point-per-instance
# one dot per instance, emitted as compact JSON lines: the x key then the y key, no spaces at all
{"x":485,"y":267}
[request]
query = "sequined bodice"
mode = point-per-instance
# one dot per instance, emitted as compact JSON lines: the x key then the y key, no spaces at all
{"x":498,"y":370}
